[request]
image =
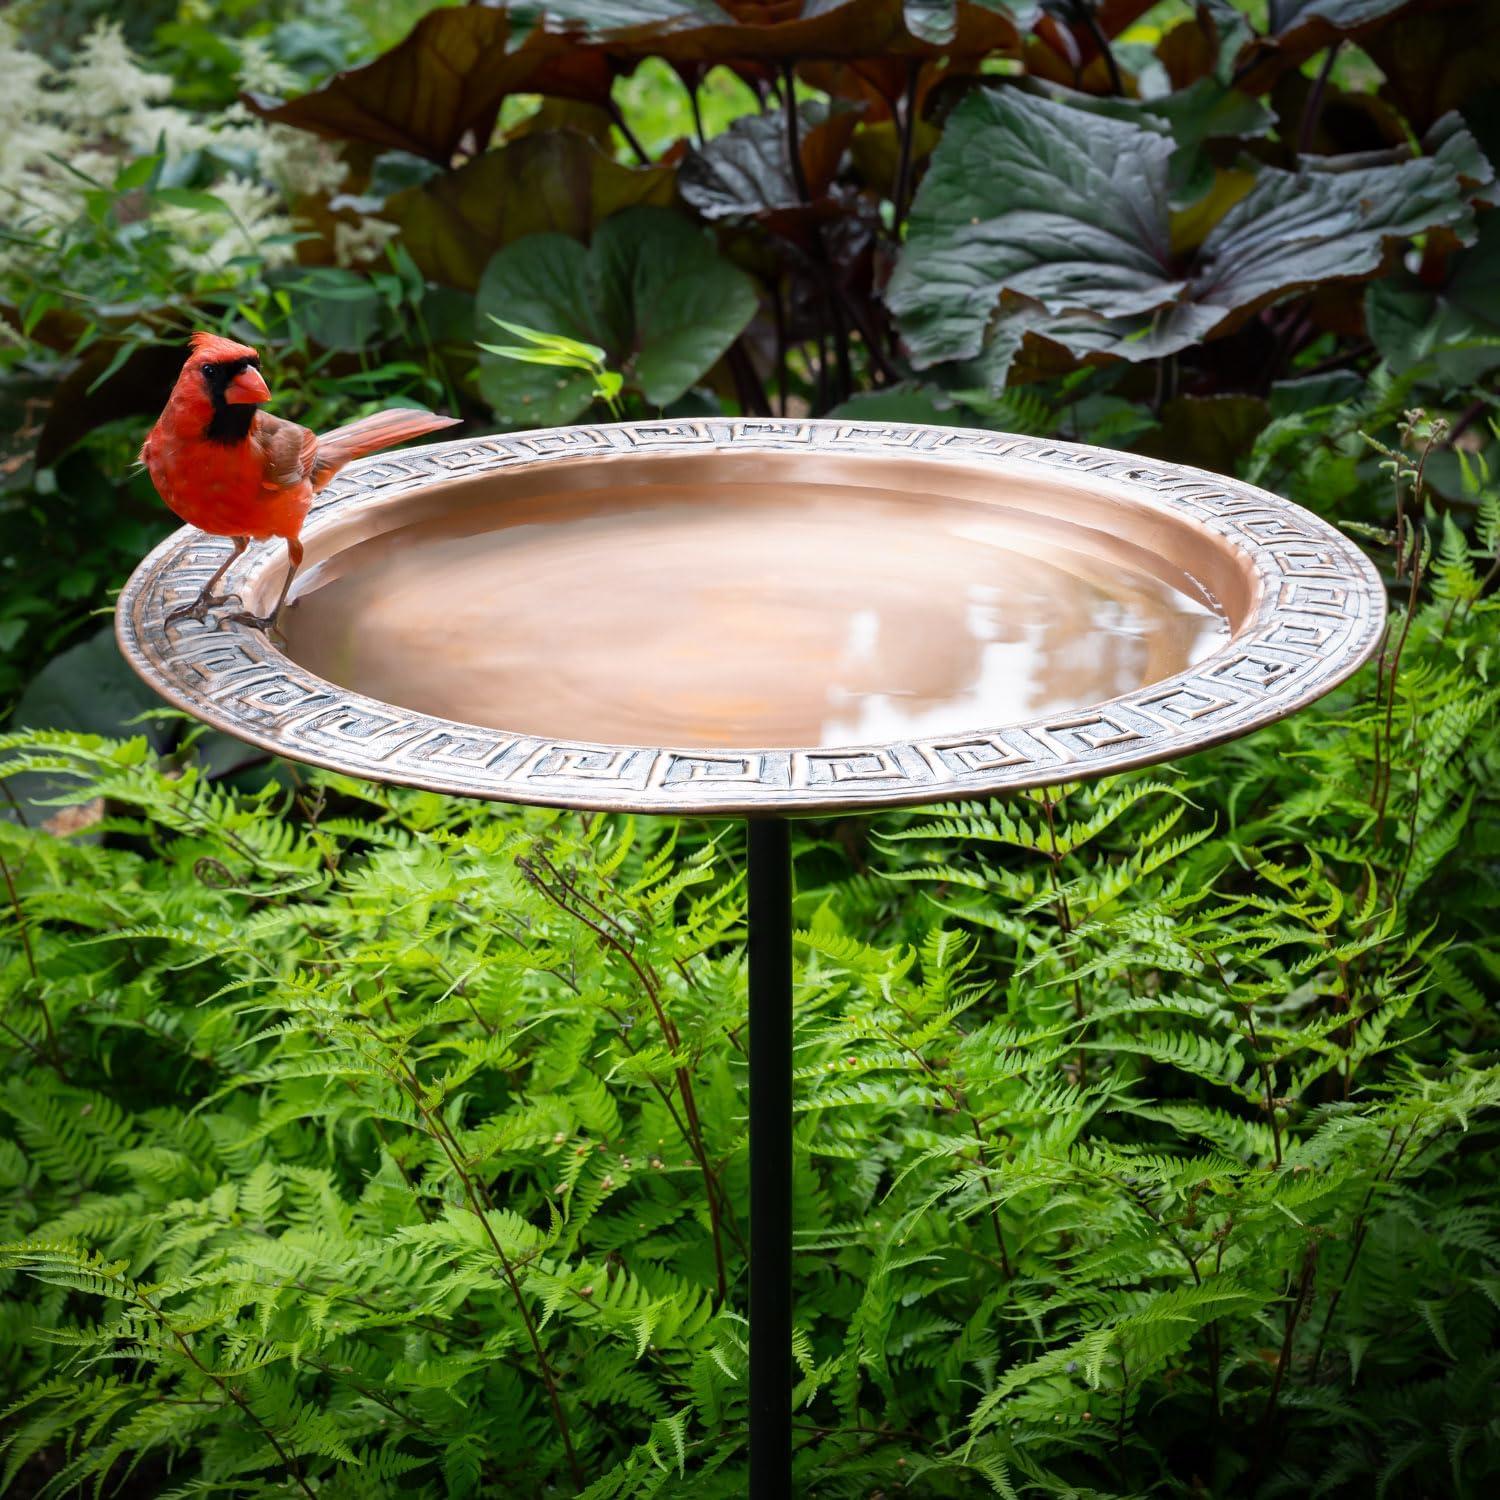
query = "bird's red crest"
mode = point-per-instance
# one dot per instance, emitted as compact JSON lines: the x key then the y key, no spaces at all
{"x":214,"y":346}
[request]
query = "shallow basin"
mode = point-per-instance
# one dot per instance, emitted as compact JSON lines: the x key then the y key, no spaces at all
{"x":730,"y":616}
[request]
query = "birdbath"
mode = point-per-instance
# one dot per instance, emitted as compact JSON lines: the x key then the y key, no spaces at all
{"x":763,"y":619}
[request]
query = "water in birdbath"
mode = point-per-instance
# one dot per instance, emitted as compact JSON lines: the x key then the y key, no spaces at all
{"x":746,"y":615}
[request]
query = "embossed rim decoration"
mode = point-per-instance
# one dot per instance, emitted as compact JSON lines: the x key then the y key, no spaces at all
{"x":1318,"y":616}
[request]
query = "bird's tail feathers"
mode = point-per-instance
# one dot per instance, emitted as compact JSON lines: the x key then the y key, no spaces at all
{"x":382,"y":429}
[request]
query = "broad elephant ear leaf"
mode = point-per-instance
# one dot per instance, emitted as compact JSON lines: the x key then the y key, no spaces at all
{"x":1041,"y":221}
{"x":1442,"y":61}
{"x":1298,"y":229}
{"x":746,"y":173}
{"x":937,"y":21}
{"x":671,"y":304}
{"x":551,"y":181}
{"x":440,"y":89}
{"x":1296,"y":30}
{"x":651,"y":290}
{"x":541,"y":281}
{"x":1061,"y":206}
{"x":689,"y":33}
{"x":1205,"y":110}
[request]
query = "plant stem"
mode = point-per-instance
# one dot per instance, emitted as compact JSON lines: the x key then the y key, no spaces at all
{"x":288,"y":1462}
{"x":1250,"y":1035}
{"x":617,"y":116}
{"x":651,"y":988}
{"x":1293,"y":1314}
{"x":692,"y":93}
{"x":907,"y":127}
{"x":1313,"y":110}
{"x":1390,"y":692}
{"x":747,"y":381}
{"x":960,"y":1102}
{"x":1263,"y":1068}
{"x":1064,"y":912}
{"x":1084,"y":13}
{"x":1360,"y":1229}
{"x":821,"y":260}
{"x":440,"y":1133}
{"x":793,"y":145}
{"x":778,"y":311}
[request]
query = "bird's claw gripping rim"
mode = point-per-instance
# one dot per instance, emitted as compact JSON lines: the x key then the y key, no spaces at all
{"x":199,"y":608}
{"x":265,"y":623}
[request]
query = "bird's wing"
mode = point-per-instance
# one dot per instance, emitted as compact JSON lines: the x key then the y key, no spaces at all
{"x":382,"y":429}
{"x":287,"y":451}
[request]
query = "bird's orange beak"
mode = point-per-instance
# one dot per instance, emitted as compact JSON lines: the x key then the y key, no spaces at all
{"x":247,"y":389}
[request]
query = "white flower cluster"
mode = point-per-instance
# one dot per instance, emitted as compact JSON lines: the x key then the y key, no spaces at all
{"x":59,"y":128}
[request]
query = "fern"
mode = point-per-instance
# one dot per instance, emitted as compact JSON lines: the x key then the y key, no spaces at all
{"x":1145,"y":1130}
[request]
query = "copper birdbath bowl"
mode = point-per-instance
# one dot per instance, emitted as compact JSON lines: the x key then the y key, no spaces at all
{"x":764,"y":618}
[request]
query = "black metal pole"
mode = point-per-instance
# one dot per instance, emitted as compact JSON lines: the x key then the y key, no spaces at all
{"x":770,"y":945}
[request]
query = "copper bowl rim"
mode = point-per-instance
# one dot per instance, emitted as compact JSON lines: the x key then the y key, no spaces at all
{"x":1317,"y":615}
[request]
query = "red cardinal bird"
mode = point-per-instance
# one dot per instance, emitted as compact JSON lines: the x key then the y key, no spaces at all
{"x":227,"y":467}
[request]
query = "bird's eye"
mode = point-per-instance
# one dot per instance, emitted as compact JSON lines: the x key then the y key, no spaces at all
{"x":210,"y":371}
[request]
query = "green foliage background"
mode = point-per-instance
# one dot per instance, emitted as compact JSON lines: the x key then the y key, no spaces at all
{"x":358,"y":1141}
{"x":366,"y":1141}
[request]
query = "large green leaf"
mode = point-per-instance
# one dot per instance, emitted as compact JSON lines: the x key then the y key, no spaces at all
{"x":539,"y":282}
{"x":1287,"y":20}
{"x":440,"y":89}
{"x":651,"y":290}
{"x":1205,"y":110}
{"x":552,"y":181}
{"x":1037,"y":219}
{"x":937,"y":21}
{"x":699,"y":32}
{"x":1434,"y":63}
{"x":1047,"y":202}
{"x":746,"y":173}
{"x":1295,"y":30}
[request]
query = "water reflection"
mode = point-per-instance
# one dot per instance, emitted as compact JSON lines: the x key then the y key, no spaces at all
{"x":754,"y":615}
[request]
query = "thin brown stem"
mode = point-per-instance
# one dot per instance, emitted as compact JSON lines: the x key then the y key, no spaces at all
{"x":748,"y":386}
{"x":793,"y":144}
{"x":288,"y":1462}
{"x":438,"y":1130}
{"x":697,"y":108}
{"x":1360,"y":1229}
{"x":778,"y":310}
{"x":1064,"y":911}
{"x":1390,"y":694}
{"x":960,"y":1102}
{"x":1293,"y":1316}
{"x":908,"y":127}
{"x":1313,"y":110}
{"x":1263,"y":1069}
{"x":1084,"y":14}
{"x":617,"y":117}
{"x":670,"y":1034}
{"x":662,"y":1092}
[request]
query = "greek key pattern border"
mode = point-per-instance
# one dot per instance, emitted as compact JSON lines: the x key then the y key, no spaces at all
{"x":1320,"y":614}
